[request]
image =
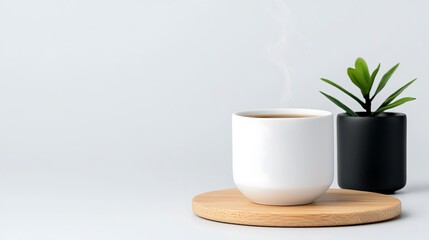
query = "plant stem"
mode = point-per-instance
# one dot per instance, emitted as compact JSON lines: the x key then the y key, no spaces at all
{"x":368,"y":105}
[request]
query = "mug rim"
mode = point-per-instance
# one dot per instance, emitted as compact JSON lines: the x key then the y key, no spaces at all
{"x":246,"y":114}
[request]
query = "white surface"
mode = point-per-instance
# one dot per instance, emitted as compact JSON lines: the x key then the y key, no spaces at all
{"x":114,"y":114}
{"x":283,"y":161}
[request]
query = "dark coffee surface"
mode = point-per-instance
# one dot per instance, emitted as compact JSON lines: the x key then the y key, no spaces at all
{"x":283,"y":116}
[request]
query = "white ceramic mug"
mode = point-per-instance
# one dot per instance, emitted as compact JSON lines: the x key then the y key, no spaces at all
{"x":283,"y":161}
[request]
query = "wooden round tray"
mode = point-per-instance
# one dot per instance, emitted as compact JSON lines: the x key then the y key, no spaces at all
{"x":336,"y":207}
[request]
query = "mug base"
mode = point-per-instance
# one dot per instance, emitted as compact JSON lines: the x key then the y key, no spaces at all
{"x":282,"y":197}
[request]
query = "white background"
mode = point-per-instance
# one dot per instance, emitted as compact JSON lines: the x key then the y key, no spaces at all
{"x":114,"y":114}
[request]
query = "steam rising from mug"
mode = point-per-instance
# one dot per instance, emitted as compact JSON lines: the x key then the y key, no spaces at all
{"x":288,"y":44}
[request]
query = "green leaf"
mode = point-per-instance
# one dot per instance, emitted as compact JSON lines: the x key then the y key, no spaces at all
{"x":373,"y":75}
{"x":395,"y":94}
{"x":357,"y":79}
{"x":395,"y":104}
{"x":340,"y":104}
{"x":344,"y":90}
{"x":384,"y":80}
{"x":362,"y":67}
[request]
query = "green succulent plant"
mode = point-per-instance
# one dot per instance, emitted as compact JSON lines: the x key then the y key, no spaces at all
{"x":364,"y":80}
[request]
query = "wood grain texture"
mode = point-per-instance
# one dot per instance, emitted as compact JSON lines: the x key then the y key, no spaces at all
{"x":336,"y":207}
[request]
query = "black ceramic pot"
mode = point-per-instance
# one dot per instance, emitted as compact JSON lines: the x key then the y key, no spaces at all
{"x":372,"y":151}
